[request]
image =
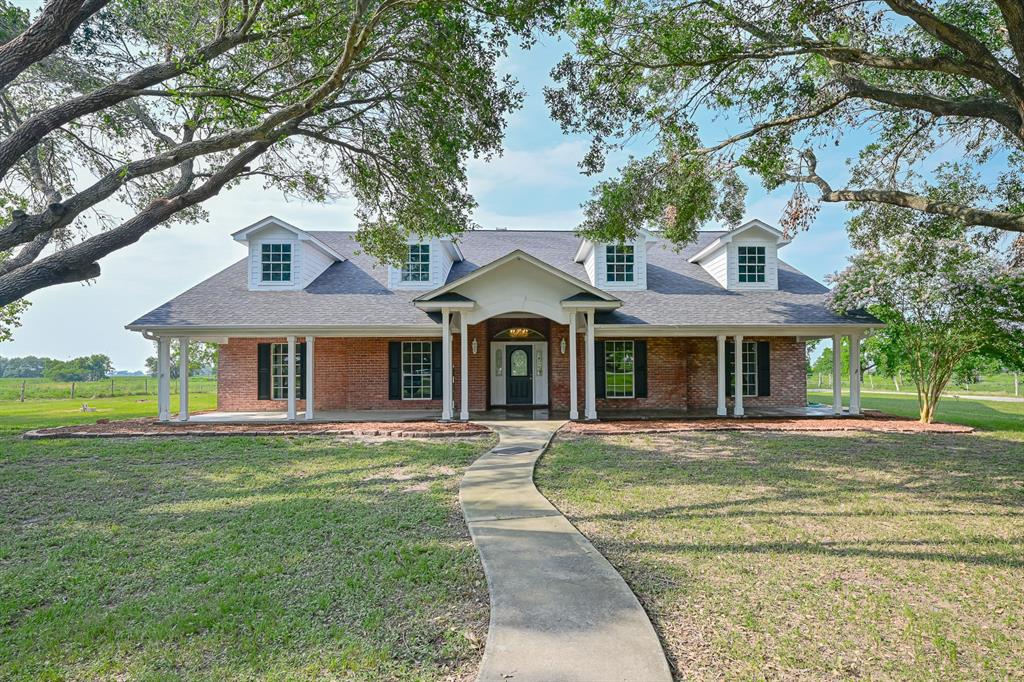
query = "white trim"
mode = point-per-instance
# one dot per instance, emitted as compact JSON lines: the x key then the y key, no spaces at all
{"x":309,"y":377}
{"x":446,"y":365}
{"x":463,"y":367}
{"x":574,"y":411}
{"x":722,"y":410}
{"x":163,"y":390}
{"x":590,"y":406}
{"x":183,"y":379}
{"x":737,"y":382}
{"x":780,"y":240}
{"x":518,"y":254}
{"x":243,"y":234}
{"x":837,"y":374}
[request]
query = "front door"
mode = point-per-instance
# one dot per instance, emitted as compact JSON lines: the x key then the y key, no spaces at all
{"x":519,"y":381}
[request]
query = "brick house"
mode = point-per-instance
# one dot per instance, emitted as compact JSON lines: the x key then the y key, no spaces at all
{"x":307,"y":324}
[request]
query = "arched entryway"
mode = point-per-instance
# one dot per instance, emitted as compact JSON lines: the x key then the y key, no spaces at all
{"x":518,"y":359}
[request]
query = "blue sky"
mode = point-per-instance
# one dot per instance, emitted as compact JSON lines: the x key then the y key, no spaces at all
{"x":535,"y":185}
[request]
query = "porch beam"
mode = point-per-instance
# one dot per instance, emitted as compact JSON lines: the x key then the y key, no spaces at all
{"x":309,"y":377}
{"x":854,"y":374}
{"x":837,"y":374}
{"x":591,"y":386}
{"x":446,"y":365}
{"x":183,"y":379}
{"x":737,"y":392}
{"x":163,"y":391}
{"x":292,"y":388}
{"x":722,"y":409}
{"x":574,"y":410}
{"x":464,"y":366}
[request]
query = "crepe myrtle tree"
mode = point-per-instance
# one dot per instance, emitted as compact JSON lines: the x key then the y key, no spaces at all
{"x":791,"y":77}
{"x":154,"y":107}
{"x":945,"y":290}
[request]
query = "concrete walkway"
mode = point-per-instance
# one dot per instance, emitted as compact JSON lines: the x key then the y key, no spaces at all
{"x":559,"y":611}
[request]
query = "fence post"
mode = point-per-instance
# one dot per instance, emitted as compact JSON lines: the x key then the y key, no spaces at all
{"x":145,"y":386}
{"x":22,"y":399}
{"x":72,"y":390}
{"x":1016,"y":385}
{"x":111,"y":388}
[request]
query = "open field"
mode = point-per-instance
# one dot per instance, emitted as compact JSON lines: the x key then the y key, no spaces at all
{"x":237,"y":558}
{"x":36,"y":389}
{"x":827,"y":556}
{"x":995,"y":384}
{"x":17,"y":417}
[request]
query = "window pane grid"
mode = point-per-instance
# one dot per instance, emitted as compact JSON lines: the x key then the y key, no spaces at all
{"x":276,"y":261}
{"x":751,"y":261}
{"x":749,"y":369}
{"x":417,"y":264}
{"x":279,"y":371}
{"x":618,"y":369}
{"x":619,"y":263}
{"x":416,"y":370}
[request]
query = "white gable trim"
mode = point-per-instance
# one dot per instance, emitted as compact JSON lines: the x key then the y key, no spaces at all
{"x":729,"y":236}
{"x":300,"y":234}
{"x":518,"y":254}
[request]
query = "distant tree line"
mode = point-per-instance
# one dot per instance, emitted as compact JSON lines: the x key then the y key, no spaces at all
{"x":86,"y":368}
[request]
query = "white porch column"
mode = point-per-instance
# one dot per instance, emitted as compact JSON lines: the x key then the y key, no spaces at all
{"x":292,"y":388}
{"x":463,"y":367}
{"x":309,"y":377}
{"x":183,"y":379}
{"x":590,"y":407}
{"x":574,"y":410}
{"x":446,"y":365}
{"x":737,"y":390}
{"x":722,"y":410}
{"x":854,"y":374}
{"x":837,"y":374}
{"x":163,"y":373}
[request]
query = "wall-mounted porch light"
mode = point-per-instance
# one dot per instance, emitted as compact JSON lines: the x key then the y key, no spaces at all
{"x":474,"y":346}
{"x":562,"y":345}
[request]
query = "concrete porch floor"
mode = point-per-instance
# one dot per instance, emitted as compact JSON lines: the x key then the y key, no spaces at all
{"x":495,"y":414}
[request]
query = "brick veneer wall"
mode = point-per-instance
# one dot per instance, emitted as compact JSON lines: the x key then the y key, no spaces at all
{"x":352,"y":373}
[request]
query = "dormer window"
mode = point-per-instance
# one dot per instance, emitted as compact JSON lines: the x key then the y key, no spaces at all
{"x":276,"y":260}
{"x":751,"y":260}
{"x":417,"y":264}
{"x":619,"y":260}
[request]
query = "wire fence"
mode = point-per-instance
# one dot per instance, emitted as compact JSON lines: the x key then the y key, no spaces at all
{"x":20,"y":390}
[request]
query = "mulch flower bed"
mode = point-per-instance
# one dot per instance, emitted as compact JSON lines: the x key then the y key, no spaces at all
{"x":129,"y":428}
{"x":884,"y":423}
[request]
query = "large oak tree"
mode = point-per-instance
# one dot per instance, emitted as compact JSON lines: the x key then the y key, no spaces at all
{"x":158,"y":105}
{"x":925,"y":81}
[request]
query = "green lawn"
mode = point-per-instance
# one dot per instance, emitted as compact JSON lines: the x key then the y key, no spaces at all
{"x":993,"y":384}
{"x":236,"y":558}
{"x":853,"y":555}
{"x":16,"y":417}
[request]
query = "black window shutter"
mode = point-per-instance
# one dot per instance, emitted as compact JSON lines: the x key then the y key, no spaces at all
{"x":300,"y":371}
{"x":263,"y":371}
{"x":394,"y":370}
{"x":764,"y":368}
{"x":730,"y":368}
{"x":599,"y":368}
{"x":640,"y":369}
{"x":436,"y":372}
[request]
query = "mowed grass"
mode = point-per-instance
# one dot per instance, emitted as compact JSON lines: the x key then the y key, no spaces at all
{"x":237,"y":558}
{"x":1004,"y":416}
{"x":16,"y":417}
{"x":831,"y":556}
{"x":39,"y":388}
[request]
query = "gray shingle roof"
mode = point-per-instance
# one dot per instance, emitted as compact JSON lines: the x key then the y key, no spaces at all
{"x":355,"y":293}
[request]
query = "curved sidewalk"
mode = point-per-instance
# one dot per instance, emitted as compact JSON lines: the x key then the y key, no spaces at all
{"x":559,"y":611}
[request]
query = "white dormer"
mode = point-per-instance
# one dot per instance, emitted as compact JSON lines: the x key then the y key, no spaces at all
{"x":744,"y":258}
{"x":426,"y":266}
{"x":620,"y":267}
{"x":283,"y":257}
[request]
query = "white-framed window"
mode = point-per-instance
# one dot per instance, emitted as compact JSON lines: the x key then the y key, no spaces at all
{"x":619,"y":377}
{"x":751,"y":263}
{"x":619,"y":262}
{"x":417,"y":370}
{"x":749,"y":368}
{"x":417,"y":263}
{"x":279,"y":371}
{"x":276,"y":262}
